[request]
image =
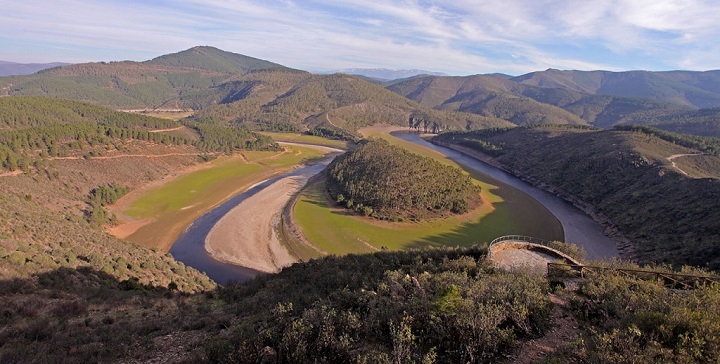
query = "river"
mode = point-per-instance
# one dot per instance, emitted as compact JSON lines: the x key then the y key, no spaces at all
{"x":189,"y":248}
{"x":579,"y":228}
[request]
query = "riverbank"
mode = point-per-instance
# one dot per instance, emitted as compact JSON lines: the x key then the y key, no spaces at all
{"x":248,"y":234}
{"x":156,"y":214}
{"x":625,"y":248}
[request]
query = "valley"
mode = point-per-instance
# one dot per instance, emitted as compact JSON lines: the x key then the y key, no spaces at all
{"x":211,"y":224}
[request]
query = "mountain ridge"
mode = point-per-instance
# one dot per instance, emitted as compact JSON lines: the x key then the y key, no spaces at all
{"x":19,"y":69}
{"x":386,"y":74}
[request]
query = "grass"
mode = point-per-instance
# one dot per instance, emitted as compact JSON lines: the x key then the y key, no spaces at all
{"x":308,"y":139}
{"x":172,"y":115}
{"x":505,"y":210}
{"x":173,"y":206}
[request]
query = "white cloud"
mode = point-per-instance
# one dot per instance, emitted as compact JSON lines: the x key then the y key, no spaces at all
{"x":462,"y":36}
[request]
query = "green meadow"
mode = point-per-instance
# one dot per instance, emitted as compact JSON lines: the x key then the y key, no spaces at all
{"x":174,"y":205}
{"x":308,"y":139}
{"x":505,"y":210}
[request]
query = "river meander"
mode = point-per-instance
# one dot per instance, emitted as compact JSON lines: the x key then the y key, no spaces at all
{"x":579,"y":228}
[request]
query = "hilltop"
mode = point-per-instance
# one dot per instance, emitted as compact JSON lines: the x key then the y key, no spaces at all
{"x":187,"y":79}
{"x":384,"y":74}
{"x":268,"y":96}
{"x":484,"y":95}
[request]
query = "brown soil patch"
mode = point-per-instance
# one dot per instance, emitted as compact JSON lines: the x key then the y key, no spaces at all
{"x":126,"y":229}
{"x":12,"y":173}
{"x":564,"y":331}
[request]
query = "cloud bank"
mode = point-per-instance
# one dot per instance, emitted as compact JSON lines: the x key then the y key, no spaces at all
{"x":456,"y":37}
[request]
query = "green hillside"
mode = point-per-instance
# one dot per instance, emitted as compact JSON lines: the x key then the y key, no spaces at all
{"x":188,"y":79}
{"x":337,"y":102}
{"x":34,"y":129}
{"x":704,"y":122}
{"x":388,"y":182}
{"x":625,"y":175}
{"x":215,"y":60}
{"x":71,"y":293}
{"x":698,"y":89}
{"x":431,"y":306}
{"x":525,"y":103}
{"x":482,"y":95}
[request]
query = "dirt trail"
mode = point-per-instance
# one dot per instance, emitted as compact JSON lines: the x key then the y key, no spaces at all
{"x":327,"y":116}
{"x":164,"y":130}
{"x":16,"y":172}
{"x":134,"y":156}
{"x":674,"y":156}
{"x":564,"y":331}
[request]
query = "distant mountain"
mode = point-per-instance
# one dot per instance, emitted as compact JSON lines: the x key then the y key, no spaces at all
{"x":525,"y":104}
{"x":483,"y":95}
{"x":268,"y":95}
{"x":697,"y":89}
{"x":13,"y":69}
{"x":215,"y":60}
{"x":194,"y":78}
{"x":386,"y":74}
{"x":335,"y":102}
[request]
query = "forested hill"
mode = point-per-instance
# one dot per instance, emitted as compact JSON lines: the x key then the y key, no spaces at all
{"x":661,"y":189}
{"x":533,"y":99}
{"x":35,"y":129}
{"x":388,"y":182}
{"x":211,"y":59}
{"x":187,"y":79}
{"x":690,"y":88}
{"x":483,"y":95}
{"x":338,"y":102}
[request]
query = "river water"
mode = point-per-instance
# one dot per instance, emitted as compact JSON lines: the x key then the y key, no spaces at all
{"x":578,"y":227}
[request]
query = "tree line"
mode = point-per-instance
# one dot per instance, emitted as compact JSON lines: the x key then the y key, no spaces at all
{"x":29,"y":136}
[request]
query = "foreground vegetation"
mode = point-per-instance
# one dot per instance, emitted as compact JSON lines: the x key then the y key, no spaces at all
{"x":626,"y":175}
{"x":429,"y":306}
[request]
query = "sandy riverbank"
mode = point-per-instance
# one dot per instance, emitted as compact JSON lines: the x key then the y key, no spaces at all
{"x":248,"y":236}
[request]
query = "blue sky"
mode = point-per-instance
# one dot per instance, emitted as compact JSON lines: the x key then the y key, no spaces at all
{"x":457,"y":37}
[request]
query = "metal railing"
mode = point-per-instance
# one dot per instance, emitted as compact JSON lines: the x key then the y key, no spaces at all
{"x":672,"y":280}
